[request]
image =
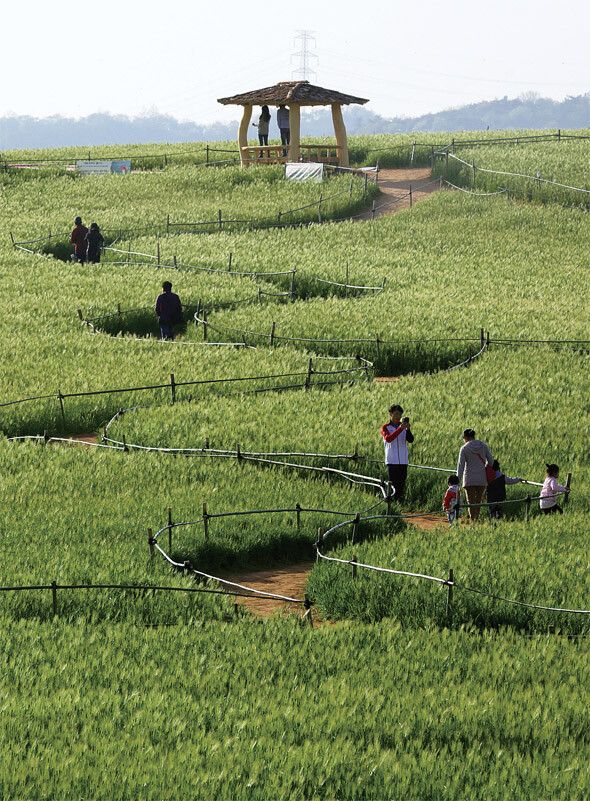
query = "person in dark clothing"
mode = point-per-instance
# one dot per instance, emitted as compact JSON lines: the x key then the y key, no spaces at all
{"x":169,"y":311}
{"x":95,"y":241}
{"x":497,"y":482}
{"x":78,"y":240}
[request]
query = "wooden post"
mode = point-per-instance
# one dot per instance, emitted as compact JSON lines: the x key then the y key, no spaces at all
{"x":568,"y":480}
{"x":238,"y":451}
{"x":219,"y":220}
{"x":292,"y":290}
{"x":205,"y":521}
{"x":207,"y":156}
{"x":298,"y":510}
{"x":346,"y":282}
{"x":158,"y":252}
{"x":527,"y":507}
{"x":206,"y":443}
{"x":125,"y":448}
{"x":366,"y":182}
{"x":373,"y":211}
{"x":319,"y":542}
{"x":204,"y":325}
{"x":167,"y":225}
{"x":412,"y":156}
{"x":320,"y":208}
{"x":170,"y":524}
{"x":128,"y":251}
{"x":353,"y":561}
{"x":355,"y":455}
{"x":80,"y":314}
{"x":307,"y":604}
{"x":45,"y":437}
{"x":173,"y":387}
{"x":243,"y":135}
{"x":340,"y":133}
{"x":308,"y":376}
{"x":175,"y":262}
{"x":272,"y":334}
{"x":450,"y":597}
{"x":469,"y":352}
{"x":351,"y":187}
{"x":61,"y":403}
{"x":119,"y":309}
{"x":54,"y":597}
{"x":474,"y":175}
{"x":447,"y":164}
{"x":482,"y":337}
{"x":151,"y":543}
{"x":377,"y":341}
{"x":355,"y":526}
{"x":388,"y":499}
{"x":410,"y":195}
{"x":229,"y":263}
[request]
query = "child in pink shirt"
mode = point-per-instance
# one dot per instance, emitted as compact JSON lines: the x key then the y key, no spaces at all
{"x":548,"y":502}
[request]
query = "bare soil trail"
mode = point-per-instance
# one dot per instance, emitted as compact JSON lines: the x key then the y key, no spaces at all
{"x":396,"y":183}
{"x":291,"y":581}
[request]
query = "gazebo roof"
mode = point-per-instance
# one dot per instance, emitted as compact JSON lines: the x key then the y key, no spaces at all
{"x":301,"y":92}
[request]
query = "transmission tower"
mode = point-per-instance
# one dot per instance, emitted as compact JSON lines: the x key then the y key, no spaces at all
{"x":305,"y":56}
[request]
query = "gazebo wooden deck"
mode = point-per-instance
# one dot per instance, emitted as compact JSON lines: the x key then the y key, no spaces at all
{"x":293,"y":94}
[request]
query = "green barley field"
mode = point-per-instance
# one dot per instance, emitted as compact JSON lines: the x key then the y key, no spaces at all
{"x":135,"y":685}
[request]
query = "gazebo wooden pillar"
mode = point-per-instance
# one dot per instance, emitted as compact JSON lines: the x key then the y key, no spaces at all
{"x":293,"y":94}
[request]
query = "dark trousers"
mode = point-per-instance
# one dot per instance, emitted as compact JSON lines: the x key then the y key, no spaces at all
{"x":262,"y":140}
{"x":397,"y":474}
{"x":285,"y":138}
{"x":553,"y":509}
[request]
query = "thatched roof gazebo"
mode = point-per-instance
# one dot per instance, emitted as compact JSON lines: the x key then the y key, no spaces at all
{"x":293,"y":94}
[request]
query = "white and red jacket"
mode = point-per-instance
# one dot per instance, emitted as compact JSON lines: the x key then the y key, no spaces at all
{"x":395,"y":439}
{"x":450,"y":499}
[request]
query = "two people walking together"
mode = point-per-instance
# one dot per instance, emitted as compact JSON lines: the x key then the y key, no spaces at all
{"x":87,"y":242}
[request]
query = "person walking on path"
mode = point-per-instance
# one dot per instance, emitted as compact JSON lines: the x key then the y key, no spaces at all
{"x":471,"y":469}
{"x":284,"y":126}
{"x":548,"y":502}
{"x":78,"y":240}
{"x":262,"y":125}
{"x":95,"y":241}
{"x":396,"y":435}
{"x":497,"y":482}
{"x":169,"y":311}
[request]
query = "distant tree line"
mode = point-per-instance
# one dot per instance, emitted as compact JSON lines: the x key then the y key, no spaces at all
{"x":527,"y":111}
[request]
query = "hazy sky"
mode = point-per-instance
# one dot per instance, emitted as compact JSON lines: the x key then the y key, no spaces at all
{"x":130,"y":57}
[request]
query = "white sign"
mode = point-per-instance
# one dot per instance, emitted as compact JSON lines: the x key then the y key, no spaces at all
{"x":296,"y":171}
{"x":103,"y":167}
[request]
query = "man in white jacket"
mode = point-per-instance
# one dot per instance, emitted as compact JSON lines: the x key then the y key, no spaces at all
{"x":396,"y":435}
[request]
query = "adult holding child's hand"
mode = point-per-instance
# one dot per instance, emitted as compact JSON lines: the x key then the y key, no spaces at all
{"x":471,"y":469}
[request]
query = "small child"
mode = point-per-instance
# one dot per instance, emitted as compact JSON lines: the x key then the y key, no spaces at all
{"x":450,"y":499}
{"x":497,"y":488}
{"x":548,"y":502}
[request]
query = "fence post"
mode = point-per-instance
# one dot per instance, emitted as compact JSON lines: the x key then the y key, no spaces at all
{"x":54,"y":597}
{"x":80,"y":314}
{"x":229,"y":264}
{"x":307,"y":605}
{"x":125,"y":448}
{"x":410,"y":195}
{"x":373,"y":211}
{"x":377,"y":341}
{"x":366,"y":181}
{"x":238,"y":451}
{"x":272,"y":334}
{"x":12,"y":238}
{"x":298,"y":510}
{"x":353,"y":562}
{"x":450,"y":597}
{"x":292,"y":290}
{"x":172,"y":387}
{"x":119,"y":309}
{"x":568,"y":479}
{"x":205,"y":521}
{"x":559,"y":134}
{"x":388,"y":499}
{"x":204,"y":325}
{"x":175,"y":262}
{"x":482,"y":337}
{"x":220,"y":220}
{"x":207,"y":162}
{"x":527,"y":508}
{"x":346,"y":282}
{"x":151,"y":543}
{"x":319,"y":542}
{"x":474,"y":175}
{"x":412,"y":156}
{"x":447,"y":164}
{"x":355,"y":526}
{"x":377,"y":173}
{"x":158,"y":252}
{"x":45,"y":437}
{"x":170,"y":524}
{"x":308,"y":376}
{"x":61,"y":403}
{"x":320,"y":209}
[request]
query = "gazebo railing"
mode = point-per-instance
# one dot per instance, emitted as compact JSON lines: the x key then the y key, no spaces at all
{"x":273,"y":154}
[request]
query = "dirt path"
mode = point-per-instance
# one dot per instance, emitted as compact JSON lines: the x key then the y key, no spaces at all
{"x":396,"y":183}
{"x":291,"y":581}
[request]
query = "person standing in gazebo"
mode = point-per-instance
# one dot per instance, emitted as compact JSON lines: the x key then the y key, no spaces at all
{"x":284,"y":126}
{"x":262,"y":125}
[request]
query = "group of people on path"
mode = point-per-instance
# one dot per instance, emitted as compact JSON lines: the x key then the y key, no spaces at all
{"x":263,"y":125}
{"x":87,"y":242}
{"x":477,"y":472}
